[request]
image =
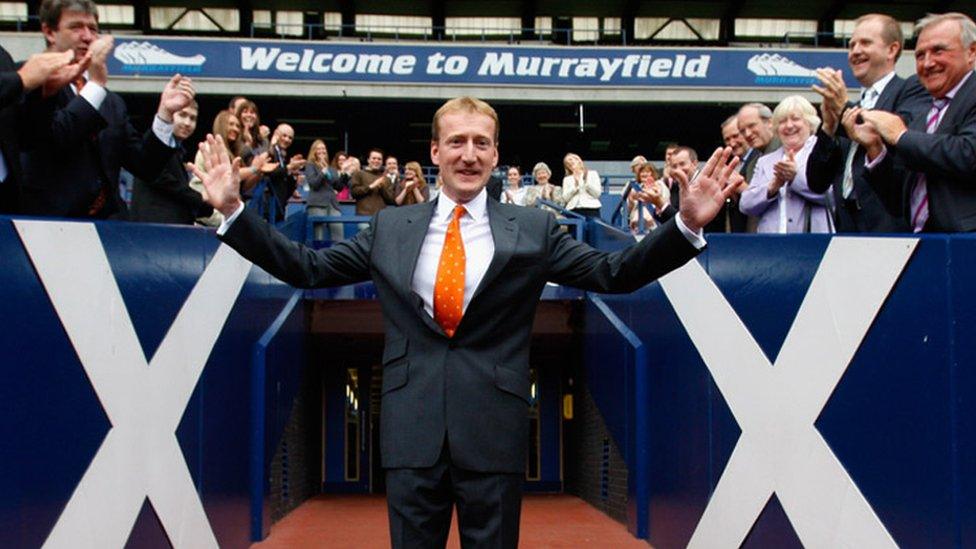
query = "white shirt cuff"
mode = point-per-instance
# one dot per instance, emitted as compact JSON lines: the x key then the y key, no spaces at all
{"x":229,"y":220}
{"x":695,"y":239}
{"x":163,"y":131}
{"x":870,"y":164}
{"x":94,"y":94}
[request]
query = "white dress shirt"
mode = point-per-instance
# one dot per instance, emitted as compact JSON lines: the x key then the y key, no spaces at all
{"x":479,"y":248}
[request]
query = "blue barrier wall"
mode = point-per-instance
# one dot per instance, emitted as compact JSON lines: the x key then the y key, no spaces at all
{"x":899,"y":422}
{"x":55,"y":417}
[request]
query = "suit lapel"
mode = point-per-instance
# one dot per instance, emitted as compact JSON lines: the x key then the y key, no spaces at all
{"x":886,"y":101}
{"x":504,"y":231}
{"x":413,"y":228}
{"x":959,"y":106}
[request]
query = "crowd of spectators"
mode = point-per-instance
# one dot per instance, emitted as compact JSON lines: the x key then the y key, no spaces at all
{"x":900,"y":159}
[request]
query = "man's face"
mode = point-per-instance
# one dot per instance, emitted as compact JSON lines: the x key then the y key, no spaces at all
{"x":375,"y":160}
{"x":681,"y":161}
{"x":184,"y":123}
{"x":392,"y":166}
{"x":75,"y":32}
{"x":466,"y":153}
{"x":868,"y":55}
{"x":757,"y":132}
{"x":940,"y":59}
{"x":285,"y":136}
{"x":734,"y":139}
{"x":668,"y":152}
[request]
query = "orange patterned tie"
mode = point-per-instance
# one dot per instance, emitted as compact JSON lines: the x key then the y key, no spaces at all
{"x":449,"y":285}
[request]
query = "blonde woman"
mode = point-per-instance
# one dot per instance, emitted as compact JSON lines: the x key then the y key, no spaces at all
{"x":412,"y":187}
{"x":228,"y":127}
{"x":581,"y":187}
{"x":778,"y":193}
{"x":323,"y":183}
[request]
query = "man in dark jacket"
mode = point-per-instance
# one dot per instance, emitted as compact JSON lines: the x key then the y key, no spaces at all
{"x":169,"y":198}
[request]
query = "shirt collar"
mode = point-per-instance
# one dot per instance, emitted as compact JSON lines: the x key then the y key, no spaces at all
{"x":880,"y":85}
{"x":952,"y":93}
{"x":477,"y":207}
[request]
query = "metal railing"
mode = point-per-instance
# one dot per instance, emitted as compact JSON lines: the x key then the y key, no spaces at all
{"x":313,"y":31}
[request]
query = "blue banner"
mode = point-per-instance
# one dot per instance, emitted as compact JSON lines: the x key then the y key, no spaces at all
{"x":480,"y":65}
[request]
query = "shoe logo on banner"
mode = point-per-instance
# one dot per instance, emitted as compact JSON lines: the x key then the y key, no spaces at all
{"x":138,"y":56}
{"x":780,"y":450}
{"x":140,"y":456}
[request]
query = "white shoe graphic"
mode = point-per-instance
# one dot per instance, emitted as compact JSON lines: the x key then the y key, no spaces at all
{"x":766,"y":64}
{"x":144,"y":53}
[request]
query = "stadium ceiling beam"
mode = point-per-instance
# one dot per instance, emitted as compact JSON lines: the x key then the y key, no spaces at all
{"x":245,"y":14}
{"x":726,"y":32}
{"x":825,"y":23}
{"x":529,"y":11}
{"x":438,"y":18}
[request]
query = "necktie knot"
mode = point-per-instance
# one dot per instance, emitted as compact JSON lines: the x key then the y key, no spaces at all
{"x":940,"y":103}
{"x":458,"y":213}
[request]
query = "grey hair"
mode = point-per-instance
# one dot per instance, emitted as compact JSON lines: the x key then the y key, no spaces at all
{"x":764,"y":111}
{"x":967,"y":29}
{"x":541,"y":167}
{"x":734,"y":119}
{"x":797,"y":104}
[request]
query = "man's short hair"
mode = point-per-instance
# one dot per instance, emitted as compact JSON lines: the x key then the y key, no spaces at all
{"x":466,"y":104}
{"x":193,"y":105}
{"x":764,"y":112}
{"x":890,"y":29}
{"x":51,"y":10}
{"x":692,"y":155}
{"x":734,"y":119}
{"x":966,"y":26}
{"x":375,"y":150}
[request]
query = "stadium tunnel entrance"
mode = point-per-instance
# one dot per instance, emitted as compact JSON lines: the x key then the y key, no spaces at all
{"x":530,"y":131}
{"x":331,"y":442}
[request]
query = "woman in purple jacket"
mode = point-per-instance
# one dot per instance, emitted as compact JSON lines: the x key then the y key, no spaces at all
{"x":778,"y":193}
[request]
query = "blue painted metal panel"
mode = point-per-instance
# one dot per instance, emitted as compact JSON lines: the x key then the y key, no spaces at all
{"x":53,"y":417}
{"x":900,"y":420}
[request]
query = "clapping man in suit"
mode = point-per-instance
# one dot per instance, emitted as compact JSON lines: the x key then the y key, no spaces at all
{"x":928,"y":166}
{"x":14,"y":83}
{"x":835,"y":161}
{"x":79,"y":136}
{"x":458,"y":280}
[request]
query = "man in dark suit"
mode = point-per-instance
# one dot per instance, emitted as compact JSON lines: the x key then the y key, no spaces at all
{"x":79,"y":137}
{"x":927,"y":168}
{"x":458,"y":280}
{"x":283,"y":180}
{"x":873,"y":50}
{"x":14,"y":83}
{"x":169,"y":198}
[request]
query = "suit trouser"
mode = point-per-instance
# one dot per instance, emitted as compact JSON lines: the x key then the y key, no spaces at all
{"x":419,"y":502}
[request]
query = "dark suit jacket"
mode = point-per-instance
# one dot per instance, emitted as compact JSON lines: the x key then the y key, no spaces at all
{"x":168,"y":198}
{"x":494,"y":187}
{"x":866,"y":212}
{"x":474,"y":387}
{"x":946,"y":157}
{"x":11,"y":94}
{"x":281,"y":183}
{"x":73,"y":151}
